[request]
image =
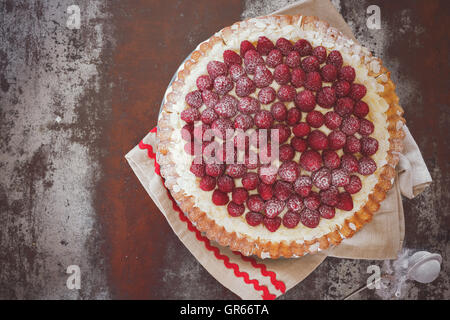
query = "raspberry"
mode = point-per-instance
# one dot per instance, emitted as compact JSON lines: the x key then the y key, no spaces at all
{"x":264,"y":45}
{"x":207,"y":183}
{"x":273,"y":208}
{"x":223,"y":84}
{"x":216,"y":68}
{"x":293,"y":59}
{"x":322,"y":178}
{"x":310,"y":218}
{"x":349,"y":163}
{"x":241,"y":141}
{"x":274,"y":58}
{"x":357,"y":91}
{"x":248,"y":105}
{"x":311,"y":160}
{"x":187,"y":132}
{"x":246,"y":46}
{"x":223,"y":127}
{"x":286,"y":152}
{"x":265,"y":191}
{"x":352,"y":145}
{"x":284,"y":132}
{"x":347,"y":73}
{"x":332,"y":120}
{"x":313,"y":81}
{"x":315,"y":119}
{"x":295,"y":203}
{"x":239,"y":195}
{"x":267,"y":95}
{"x":282,"y":74}
{"x":330,"y":196}
{"x":366,"y":127}
{"x":293,"y":116}
{"x":250,"y":181}
{"x":336,"y":140}
{"x":263,"y":77}
{"x":350,"y":125}
{"x":345,"y":202}
{"x":272,"y":224}
{"x":197,"y":169}
{"x":282,"y":191}
{"x":224,"y":155}
{"x":279,"y":111}
{"x":298,"y":78}
{"x":230,"y":57}
{"x":320,"y":53}
{"x":331,"y":159}
{"x":335,"y":58}
{"x":305,"y":101}
{"x":243,"y":121}
{"x":317,"y":140}
{"x":340,"y":178}
{"x":219,"y":198}
{"x":199,"y":132}
{"x":189,"y":148}
{"x":354,"y":185}
{"x":251,"y":60}
{"x":214,"y":169}
{"x":342,"y":88}
{"x":236,"y":170}
{"x":204,"y":83}
{"x":210,"y":98}
{"x":366,"y":166}
{"x":310,"y":64}
{"x":289,"y":171}
{"x":326,"y":97}
{"x":190,"y":115}
{"x":284,"y":45}
{"x":369,"y":146}
{"x":286,"y":93}
{"x":291,"y":219}
{"x":236,"y":71}
{"x":251,"y":160}
{"x":298,"y":144}
{"x":265,"y":153}
{"x":235,"y":210}
{"x":327,"y":212}
{"x":255,"y":203}
{"x":225,"y":183}
{"x":303,"y":47}
{"x":344,"y":106}
{"x":301,"y":130}
{"x":328,"y":73}
{"x":361,"y":109}
{"x":263,"y":119}
{"x":254,"y":218}
{"x":244,"y":86}
{"x":208,"y":116}
{"x":227,"y":106}
{"x":268,"y":174}
{"x":303,"y":185}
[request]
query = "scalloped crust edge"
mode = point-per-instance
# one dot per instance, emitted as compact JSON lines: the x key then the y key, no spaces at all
{"x":264,"y":249}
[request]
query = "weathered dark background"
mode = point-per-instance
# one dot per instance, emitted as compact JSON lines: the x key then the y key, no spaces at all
{"x":74,"y":102}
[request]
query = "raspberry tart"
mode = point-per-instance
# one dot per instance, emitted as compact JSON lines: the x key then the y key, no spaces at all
{"x":279,"y":136}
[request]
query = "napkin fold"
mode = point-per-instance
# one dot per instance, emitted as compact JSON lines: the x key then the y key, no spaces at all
{"x":254,"y":278}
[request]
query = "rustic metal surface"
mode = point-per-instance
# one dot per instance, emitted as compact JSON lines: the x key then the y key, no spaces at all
{"x":73,"y":102}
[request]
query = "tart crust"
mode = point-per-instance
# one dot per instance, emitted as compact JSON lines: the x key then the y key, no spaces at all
{"x":331,"y":38}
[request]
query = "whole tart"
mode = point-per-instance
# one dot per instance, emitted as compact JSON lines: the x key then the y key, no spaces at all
{"x":339,"y":132}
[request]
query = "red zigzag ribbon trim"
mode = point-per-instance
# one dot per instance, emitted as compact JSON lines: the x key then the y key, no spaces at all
{"x":229,"y":265}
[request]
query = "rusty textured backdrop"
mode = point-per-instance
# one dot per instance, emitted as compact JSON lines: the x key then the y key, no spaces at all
{"x":73,"y":102}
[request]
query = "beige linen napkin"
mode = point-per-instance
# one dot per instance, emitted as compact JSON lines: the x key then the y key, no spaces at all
{"x":253,"y":278}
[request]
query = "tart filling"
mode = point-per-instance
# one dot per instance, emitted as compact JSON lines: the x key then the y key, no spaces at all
{"x":332,"y":127}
